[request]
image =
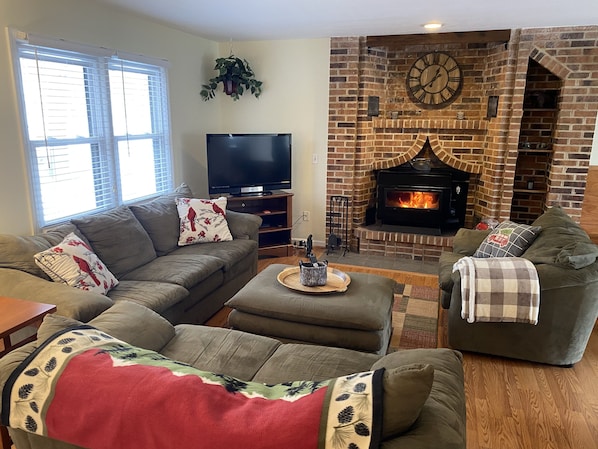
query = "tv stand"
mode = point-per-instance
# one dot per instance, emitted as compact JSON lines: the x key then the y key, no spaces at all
{"x":246,"y":194}
{"x":275,"y":209}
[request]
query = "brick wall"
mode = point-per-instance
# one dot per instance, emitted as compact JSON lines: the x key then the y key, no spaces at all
{"x":486,"y":147}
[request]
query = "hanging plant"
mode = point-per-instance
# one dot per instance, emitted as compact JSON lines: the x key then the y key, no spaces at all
{"x":236,"y":77}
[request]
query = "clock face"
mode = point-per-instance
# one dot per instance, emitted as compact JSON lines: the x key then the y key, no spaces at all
{"x":434,"y":80}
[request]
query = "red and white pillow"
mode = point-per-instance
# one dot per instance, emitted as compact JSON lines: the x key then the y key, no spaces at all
{"x":74,"y":263}
{"x":202,"y":221}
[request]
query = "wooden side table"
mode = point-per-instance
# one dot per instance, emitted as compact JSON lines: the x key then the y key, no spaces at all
{"x":15,"y":314}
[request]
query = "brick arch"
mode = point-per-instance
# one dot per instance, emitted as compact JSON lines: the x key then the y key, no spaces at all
{"x":550,"y":63}
{"x":437,"y":149}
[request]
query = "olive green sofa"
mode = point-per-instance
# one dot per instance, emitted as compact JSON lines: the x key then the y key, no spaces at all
{"x":565,"y":259}
{"x":423,"y":407}
{"x":139,"y":245}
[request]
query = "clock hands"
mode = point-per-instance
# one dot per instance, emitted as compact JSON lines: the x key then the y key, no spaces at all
{"x":434,"y":78}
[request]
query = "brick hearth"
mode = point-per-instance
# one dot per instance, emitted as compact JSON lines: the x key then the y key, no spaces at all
{"x":488,"y":148}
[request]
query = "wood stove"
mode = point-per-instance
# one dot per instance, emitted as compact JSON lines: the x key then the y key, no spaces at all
{"x":423,"y":194}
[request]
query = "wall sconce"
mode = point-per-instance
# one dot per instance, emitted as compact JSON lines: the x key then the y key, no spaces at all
{"x":492,"y":110}
{"x":373,"y":106}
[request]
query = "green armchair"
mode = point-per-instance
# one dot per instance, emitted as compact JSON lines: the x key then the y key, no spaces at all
{"x":565,"y":259}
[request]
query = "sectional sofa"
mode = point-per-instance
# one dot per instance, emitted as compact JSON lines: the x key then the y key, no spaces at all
{"x":139,"y":245}
{"x":423,"y":402}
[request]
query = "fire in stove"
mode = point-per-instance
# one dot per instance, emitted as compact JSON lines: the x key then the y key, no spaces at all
{"x":413,"y":199}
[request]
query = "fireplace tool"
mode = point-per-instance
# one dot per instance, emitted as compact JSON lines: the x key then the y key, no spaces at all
{"x":338,"y":224}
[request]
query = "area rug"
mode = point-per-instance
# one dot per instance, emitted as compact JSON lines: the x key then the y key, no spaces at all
{"x":414,"y":317}
{"x":415,"y":310}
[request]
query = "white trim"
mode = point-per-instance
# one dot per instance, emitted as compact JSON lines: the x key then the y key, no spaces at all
{"x":62,"y":44}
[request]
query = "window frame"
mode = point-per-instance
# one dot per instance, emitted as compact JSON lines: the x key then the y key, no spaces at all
{"x":98,"y":100}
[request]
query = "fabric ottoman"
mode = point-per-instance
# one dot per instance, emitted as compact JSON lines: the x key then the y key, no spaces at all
{"x":359,"y":318}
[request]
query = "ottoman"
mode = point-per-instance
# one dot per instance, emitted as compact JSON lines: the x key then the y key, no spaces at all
{"x":359,"y":318}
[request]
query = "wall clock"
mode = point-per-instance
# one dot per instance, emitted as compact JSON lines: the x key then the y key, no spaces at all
{"x":434,"y":80}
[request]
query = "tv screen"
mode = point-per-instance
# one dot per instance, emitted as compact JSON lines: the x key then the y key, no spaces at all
{"x":248,"y":163}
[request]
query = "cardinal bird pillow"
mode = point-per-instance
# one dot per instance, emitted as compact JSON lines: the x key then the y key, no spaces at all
{"x":73,"y":262}
{"x":202,"y":221}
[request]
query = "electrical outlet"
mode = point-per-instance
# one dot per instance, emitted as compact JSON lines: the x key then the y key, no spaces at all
{"x":305,"y":215}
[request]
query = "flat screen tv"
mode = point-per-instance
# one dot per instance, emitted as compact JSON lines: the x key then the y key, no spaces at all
{"x":248,"y":164}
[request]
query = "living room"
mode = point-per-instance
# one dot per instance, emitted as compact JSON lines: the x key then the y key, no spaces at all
{"x":295,"y":99}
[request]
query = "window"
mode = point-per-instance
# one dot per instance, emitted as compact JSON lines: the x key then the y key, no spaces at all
{"x":96,"y":126}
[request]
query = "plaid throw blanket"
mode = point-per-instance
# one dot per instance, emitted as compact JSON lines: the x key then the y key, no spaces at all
{"x":499,"y":289}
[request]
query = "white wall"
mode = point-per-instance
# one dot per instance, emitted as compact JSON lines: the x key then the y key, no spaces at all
{"x":90,"y":22}
{"x":294,"y":99}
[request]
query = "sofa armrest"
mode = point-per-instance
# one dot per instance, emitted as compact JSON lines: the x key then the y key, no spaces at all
{"x":466,"y":241}
{"x":243,"y":225}
{"x":70,"y":301}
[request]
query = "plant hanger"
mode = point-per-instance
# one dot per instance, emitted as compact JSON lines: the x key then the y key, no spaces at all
{"x":236,"y":77}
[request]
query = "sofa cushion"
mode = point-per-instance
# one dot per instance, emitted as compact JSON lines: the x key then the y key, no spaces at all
{"x":230,"y":253}
{"x":127,"y":321}
{"x":186,"y":270}
{"x":118,"y":239}
{"x":158,"y":296}
{"x":72,"y":262}
{"x":554,"y":217}
{"x":56,"y":234}
{"x":293,"y":361}
{"x":17,"y":252}
{"x":160,"y":219}
{"x":577,"y":255}
{"x":53,"y":323}
{"x":509,"y":239}
{"x":135,"y":324}
{"x":202,"y":221}
{"x":467,"y":241}
{"x":219,"y":350}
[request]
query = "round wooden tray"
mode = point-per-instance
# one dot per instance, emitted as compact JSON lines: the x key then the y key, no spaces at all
{"x":336,"y":281}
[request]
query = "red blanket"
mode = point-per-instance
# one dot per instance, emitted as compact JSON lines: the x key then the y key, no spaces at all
{"x":86,"y":388}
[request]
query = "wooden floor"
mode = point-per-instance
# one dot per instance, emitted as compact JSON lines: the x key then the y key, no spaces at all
{"x":515,"y":404}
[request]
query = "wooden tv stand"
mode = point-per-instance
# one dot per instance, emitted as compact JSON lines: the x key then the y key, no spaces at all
{"x":276,"y":212}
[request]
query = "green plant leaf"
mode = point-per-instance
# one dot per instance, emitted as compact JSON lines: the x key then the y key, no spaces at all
{"x":239,"y":72}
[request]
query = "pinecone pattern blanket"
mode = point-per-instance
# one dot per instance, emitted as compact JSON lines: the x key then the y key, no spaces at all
{"x":87,"y":388}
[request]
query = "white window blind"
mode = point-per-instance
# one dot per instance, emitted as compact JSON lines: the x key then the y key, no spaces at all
{"x":96,"y":128}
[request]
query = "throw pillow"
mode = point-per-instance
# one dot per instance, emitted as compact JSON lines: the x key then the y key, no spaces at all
{"x":202,"y":221}
{"x":508,"y":240}
{"x":72,"y":262}
{"x":160,"y":219}
{"x":406,"y":389}
{"x":578,"y":255}
{"x":118,"y":239}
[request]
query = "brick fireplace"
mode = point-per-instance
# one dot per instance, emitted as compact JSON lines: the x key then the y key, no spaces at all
{"x":493,"y":145}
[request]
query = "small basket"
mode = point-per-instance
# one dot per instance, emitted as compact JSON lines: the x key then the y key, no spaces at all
{"x":313,"y":275}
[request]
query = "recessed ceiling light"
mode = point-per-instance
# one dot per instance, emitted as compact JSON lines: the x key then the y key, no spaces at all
{"x":432,"y":26}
